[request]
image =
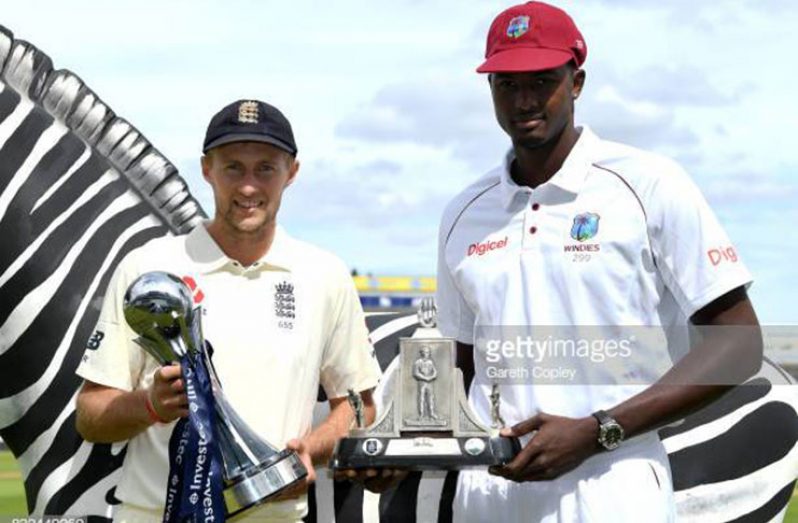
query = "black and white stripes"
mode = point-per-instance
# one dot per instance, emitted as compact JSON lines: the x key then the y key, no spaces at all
{"x":79,"y":188}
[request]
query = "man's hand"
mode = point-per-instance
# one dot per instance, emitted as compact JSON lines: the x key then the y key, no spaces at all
{"x":167,"y":394}
{"x":300,"y":487}
{"x":375,"y":480}
{"x":558,"y":445}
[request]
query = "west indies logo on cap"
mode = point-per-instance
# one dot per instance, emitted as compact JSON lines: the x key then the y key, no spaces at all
{"x":518,"y":26}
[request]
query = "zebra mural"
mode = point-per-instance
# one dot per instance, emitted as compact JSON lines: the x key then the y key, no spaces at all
{"x":80,"y":187}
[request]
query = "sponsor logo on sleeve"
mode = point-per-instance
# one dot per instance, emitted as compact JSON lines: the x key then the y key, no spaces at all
{"x":95,"y":339}
{"x":482,"y":248}
{"x":722,"y":254}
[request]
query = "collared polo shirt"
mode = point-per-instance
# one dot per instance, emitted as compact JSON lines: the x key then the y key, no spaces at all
{"x":617,"y":237}
{"x":279,"y":328}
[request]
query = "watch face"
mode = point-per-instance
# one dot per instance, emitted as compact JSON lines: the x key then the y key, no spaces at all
{"x":611,"y":435}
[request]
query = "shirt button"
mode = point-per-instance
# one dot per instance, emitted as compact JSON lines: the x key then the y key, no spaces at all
{"x":535,"y":206}
{"x":533,"y":230}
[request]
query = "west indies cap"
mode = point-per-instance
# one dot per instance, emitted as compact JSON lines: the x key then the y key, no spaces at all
{"x":532,"y":37}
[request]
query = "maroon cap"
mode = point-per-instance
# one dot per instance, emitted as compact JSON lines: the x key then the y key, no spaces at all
{"x":532,"y":37}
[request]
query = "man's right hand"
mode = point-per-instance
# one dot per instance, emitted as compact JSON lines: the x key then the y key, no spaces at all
{"x":167,"y":394}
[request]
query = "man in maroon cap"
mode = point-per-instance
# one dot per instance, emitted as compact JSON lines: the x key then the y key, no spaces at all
{"x":602,"y":238}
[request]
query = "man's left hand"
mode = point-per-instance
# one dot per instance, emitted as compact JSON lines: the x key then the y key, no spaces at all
{"x":301,"y":487}
{"x":558,"y":444}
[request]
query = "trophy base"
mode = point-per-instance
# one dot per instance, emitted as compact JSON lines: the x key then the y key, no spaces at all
{"x":263,"y":482}
{"x":424,"y":453}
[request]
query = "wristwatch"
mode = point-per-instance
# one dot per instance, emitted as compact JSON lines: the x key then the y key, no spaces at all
{"x":610,"y":431}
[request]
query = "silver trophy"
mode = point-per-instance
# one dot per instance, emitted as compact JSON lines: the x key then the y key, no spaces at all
{"x":427,"y":423}
{"x":158,"y":307}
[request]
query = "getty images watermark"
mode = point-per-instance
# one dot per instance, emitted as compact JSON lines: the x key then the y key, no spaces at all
{"x":617,"y":355}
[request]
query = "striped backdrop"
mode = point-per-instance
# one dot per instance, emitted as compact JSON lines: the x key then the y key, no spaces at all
{"x":80,"y":187}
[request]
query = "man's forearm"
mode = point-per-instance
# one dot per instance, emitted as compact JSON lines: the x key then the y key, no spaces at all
{"x":730,"y":353}
{"x":690,"y":385}
{"x":321,"y":441}
{"x":106,"y":415}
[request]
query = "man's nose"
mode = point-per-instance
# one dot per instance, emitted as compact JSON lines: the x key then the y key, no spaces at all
{"x":248,"y":183}
{"x":526,"y":99}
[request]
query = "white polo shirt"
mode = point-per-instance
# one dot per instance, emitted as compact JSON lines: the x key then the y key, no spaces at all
{"x":279,"y":328}
{"x":617,"y":237}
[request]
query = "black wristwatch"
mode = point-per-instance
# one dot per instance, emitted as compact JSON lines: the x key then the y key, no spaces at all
{"x":610,"y":431}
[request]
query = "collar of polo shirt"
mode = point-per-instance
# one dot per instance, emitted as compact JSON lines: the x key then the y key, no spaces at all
{"x":210,"y":257}
{"x":570,"y":177}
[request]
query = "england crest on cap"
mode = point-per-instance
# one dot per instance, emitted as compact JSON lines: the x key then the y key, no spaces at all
{"x":248,"y":112}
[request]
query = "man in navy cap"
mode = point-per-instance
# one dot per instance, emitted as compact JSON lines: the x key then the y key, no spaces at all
{"x":283,"y":317}
{"x":599,"y":239}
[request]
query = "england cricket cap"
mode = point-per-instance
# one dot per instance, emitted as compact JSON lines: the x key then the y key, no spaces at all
{"x":250,"y":121}
{"x":532,"y":37}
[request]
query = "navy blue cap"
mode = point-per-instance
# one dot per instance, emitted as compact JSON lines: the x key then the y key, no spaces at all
{"x":250,"y":121}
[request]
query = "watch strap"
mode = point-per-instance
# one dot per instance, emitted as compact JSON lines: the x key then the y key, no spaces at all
{"x":602,"y":417}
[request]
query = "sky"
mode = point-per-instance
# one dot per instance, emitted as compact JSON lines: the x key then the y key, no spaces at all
{"x":392,"y":121}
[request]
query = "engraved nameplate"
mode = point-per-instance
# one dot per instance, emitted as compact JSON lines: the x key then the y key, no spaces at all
{"x":423,"y":447}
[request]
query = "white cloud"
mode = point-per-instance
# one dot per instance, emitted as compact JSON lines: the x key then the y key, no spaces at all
{"x":435,"y":113}
{"x":391,"y":119}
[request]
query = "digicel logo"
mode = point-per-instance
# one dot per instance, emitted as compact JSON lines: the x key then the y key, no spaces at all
{"x":481,"y":248}
{"x":722,"y":254}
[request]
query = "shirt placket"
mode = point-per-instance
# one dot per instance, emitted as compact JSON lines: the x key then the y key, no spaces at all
{"x":533,"y":219}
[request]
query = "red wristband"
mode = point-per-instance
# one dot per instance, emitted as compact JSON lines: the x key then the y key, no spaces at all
{"x":154,"y":417}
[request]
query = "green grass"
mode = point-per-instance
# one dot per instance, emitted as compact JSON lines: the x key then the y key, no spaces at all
{"x":792,"y":509}
{"x":12,"y":493}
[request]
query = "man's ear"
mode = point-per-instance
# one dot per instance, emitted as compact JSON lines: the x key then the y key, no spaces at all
{"x":579,"y":83}
{"x":205,"y":165}
{"x":293,"y":170}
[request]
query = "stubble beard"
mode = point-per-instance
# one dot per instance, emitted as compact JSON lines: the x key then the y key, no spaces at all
{"x":547,"y":141}
{"x":248,"y":228}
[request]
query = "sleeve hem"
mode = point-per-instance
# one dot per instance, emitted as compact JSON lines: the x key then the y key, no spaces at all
{"x":714,"y":292}
{"x":365,"y":384}
{"x":89,"y":374}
